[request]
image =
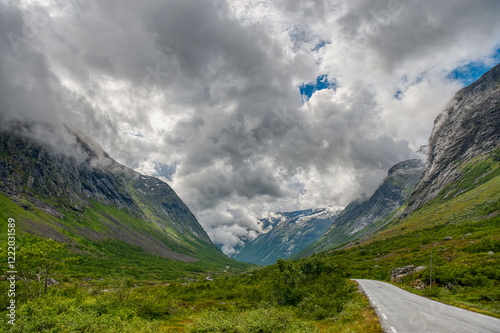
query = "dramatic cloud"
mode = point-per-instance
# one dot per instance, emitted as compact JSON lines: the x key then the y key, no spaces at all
{"x":245,"y":108}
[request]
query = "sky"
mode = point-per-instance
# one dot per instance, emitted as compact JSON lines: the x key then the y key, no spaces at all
{"x":245,"y":107}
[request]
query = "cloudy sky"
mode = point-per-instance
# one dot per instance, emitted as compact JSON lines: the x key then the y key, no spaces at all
{"x":246,"y":107}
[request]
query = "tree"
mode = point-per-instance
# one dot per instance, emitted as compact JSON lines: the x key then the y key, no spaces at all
{"x":38,"y":260}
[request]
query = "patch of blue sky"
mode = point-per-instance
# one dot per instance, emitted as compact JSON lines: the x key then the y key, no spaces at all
{"x":398,"y":94}
{"x":472,"y":71}
{"x":320,"y":45}
{"x":404,"y":79}
{"x":298,"y":36}
{"x":165,"y":170}
{"x":322,"y":82}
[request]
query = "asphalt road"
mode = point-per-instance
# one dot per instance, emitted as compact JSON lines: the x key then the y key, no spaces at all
{"x":403,"y":312}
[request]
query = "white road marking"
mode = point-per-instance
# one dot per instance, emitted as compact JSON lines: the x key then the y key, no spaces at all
{"x":426,"y":315}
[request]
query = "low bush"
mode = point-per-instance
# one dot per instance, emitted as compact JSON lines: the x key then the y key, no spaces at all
{"x":262,"y":320}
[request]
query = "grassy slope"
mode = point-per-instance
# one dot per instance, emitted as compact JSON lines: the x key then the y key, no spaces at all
{"x":465,"y":272}
{"x":99,"y":254}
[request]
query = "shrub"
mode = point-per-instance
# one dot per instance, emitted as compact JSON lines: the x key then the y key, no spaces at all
{"x":262,"y":320}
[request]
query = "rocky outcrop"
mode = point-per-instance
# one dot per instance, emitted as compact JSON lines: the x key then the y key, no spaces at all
{"x":398,"y":274}
{"x":361,"y":218}
{"x":31,"y":168}
{"x":469,"y":126}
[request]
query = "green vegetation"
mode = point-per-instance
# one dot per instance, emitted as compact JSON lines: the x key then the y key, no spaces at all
{"x":465,"y":268}
{"x":97,"y":254}
{"x":309,"y":295}
{"x":102,"y":284}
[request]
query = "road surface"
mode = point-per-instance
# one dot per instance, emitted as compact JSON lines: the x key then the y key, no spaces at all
{"x":403,"y":312}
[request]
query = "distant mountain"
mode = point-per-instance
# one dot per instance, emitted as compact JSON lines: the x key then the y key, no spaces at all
{"x":75,"y":193}
{"x":467,"y":128}
{"x":363,"y":217}
{"x":285,"y":235}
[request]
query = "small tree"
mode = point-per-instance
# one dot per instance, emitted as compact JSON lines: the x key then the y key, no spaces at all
{"x":38,"y":260}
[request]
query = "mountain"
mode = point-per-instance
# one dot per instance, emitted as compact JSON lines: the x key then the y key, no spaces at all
{"x":467,"y":128}
{"x":75,"y":193}
{"x":285,"y":235}
{"x":452,"y":219}
{"x":363,"y":217}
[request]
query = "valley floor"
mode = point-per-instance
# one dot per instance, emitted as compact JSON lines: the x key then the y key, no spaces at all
{"x":309,"y":295}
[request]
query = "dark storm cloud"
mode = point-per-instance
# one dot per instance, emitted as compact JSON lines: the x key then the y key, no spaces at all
{"x":208,"y":90}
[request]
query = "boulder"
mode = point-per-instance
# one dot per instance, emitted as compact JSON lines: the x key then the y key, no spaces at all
{"x":399,"y":273}
{"x":51,"y":281}
{"x":418,"y":284}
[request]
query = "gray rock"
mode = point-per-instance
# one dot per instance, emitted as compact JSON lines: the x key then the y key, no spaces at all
{"x":51,"y":281}
{"x":418,"y":284}
{"x":448,"y":238}
{"x":469,"y":126}
{"x":399,"y":273}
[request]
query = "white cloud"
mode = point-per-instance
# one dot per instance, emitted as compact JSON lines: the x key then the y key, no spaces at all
{"x":212,"y":89}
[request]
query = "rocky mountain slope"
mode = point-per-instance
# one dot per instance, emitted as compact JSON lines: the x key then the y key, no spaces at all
{"x":453,"y":216}
{"x":361,"y":218}
{"x":76,"y":193}
{"x":467,"y":128}
{"x":286,"y":234}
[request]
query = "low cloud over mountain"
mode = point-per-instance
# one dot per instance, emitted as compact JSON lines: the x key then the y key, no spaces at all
{"x":207,"y":94}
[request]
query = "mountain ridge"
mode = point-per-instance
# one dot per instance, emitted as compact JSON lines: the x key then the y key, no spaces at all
{"x":80,"y":189}
{"x":362,"y":217}
{"x":285,"y":234}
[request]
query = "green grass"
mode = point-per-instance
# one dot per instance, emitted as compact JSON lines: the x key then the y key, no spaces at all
{"x":265,"y":320}
{"x":310,"y":295}
{"x":109,"y":256}
{"x":466,"y":269}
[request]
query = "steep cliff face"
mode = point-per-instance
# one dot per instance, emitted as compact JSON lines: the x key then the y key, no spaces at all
{"x":91,"y":196}
{"x":469,"y":126}
{"x":361,"y":218}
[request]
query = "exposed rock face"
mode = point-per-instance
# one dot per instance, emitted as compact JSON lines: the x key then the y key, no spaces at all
{"x":59,"y":182}
{"x":469,"y":126}
{"x":286,"y":234}
{"x":398,"y":274}
{"x":360,"y":218}
{"x":31,"y":168}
